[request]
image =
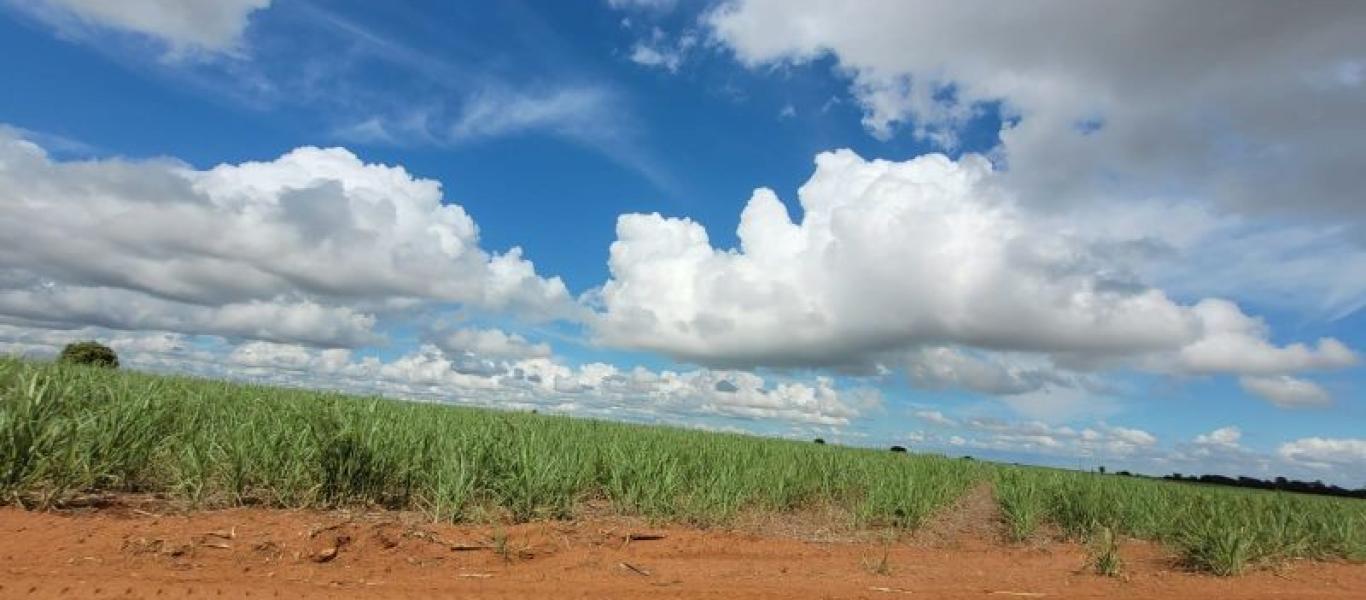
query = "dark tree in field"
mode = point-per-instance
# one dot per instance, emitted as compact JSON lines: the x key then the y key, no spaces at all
{"x":820,"y":440}
{"x":89,"y":353}
{"x":898,"y":448}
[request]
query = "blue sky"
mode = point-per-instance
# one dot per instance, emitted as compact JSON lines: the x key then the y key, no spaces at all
{"x":1100,"y":241}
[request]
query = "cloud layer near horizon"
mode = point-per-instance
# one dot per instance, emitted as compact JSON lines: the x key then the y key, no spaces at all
{"x":487,"y":368}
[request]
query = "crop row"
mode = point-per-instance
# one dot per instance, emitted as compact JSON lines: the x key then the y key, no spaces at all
{"x":68,"y":430}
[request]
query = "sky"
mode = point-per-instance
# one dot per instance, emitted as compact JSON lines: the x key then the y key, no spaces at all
{"x":1111,"y":233}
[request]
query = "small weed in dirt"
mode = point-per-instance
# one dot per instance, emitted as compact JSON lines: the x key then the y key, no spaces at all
{"x":143,"y":546}
{"x":499,"y":544}
{"x":1104,"y":553}
{"x":502,"y":545}
{"x":880,"y":565}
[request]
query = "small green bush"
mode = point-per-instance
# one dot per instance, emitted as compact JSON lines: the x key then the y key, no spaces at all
{"x":89,"y":353}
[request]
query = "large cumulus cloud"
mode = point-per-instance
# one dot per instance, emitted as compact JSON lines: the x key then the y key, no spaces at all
{"x":309,"y":247}
{"x":1249,"y":103}
{"x":892,"y":256}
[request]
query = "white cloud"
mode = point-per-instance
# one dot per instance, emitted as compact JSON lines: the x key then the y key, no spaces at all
{"x":431,"y":99}
{"x":652,"y":5}
{"x":891,"y":256}
{"x":1222,"y":451}
{"x":653,"y":57}
{"x":493,"y":343}
{"x":592,"y":115}
{"x":594,"y":389}
{"x":578,"y":112}
{"x":935,"y":417}
{"x":1286,"y":391}
{"x":1027,"y":428}
{"x":584,"y":113}
{"x":1136,"y":98}
{"x":1035,"y":437}
{"x":1314,"y":269}
{"x":1236,"y":343}
{"x":183,"y":25}
{"x":286,"y":357}
{"x":309,"y":247}
{"x":499,"y":379}
{"x":1058,"y":404}
{"x":944,"y":367}
{"x":659,"y":51}
{"x":1325,"y":453}
{"x":30,"y":341}
{"x":302,"y":321}
{"x":1226,"y":437}
{"x":1130,"y":436}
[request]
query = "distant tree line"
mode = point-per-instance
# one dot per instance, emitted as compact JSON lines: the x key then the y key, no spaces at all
{"x":1279,"y":483}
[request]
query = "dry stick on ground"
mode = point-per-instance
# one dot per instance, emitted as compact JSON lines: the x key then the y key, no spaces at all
{"x":644,"y":537}
{"x":640,"y":537}
{"x":227,"y":535}
{"x":637,"y":570}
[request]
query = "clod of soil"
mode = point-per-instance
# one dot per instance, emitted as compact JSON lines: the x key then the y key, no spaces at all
{"x":329,"y":552}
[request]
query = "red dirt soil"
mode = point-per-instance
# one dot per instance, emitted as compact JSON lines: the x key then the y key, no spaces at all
{"x":121,"y":552}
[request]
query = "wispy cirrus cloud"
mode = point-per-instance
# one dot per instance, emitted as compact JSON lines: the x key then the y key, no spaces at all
{"x":182,"y":27}
{"x":476,"y":105}
{"x":314,"y":57}
{"x":595,"y":117}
